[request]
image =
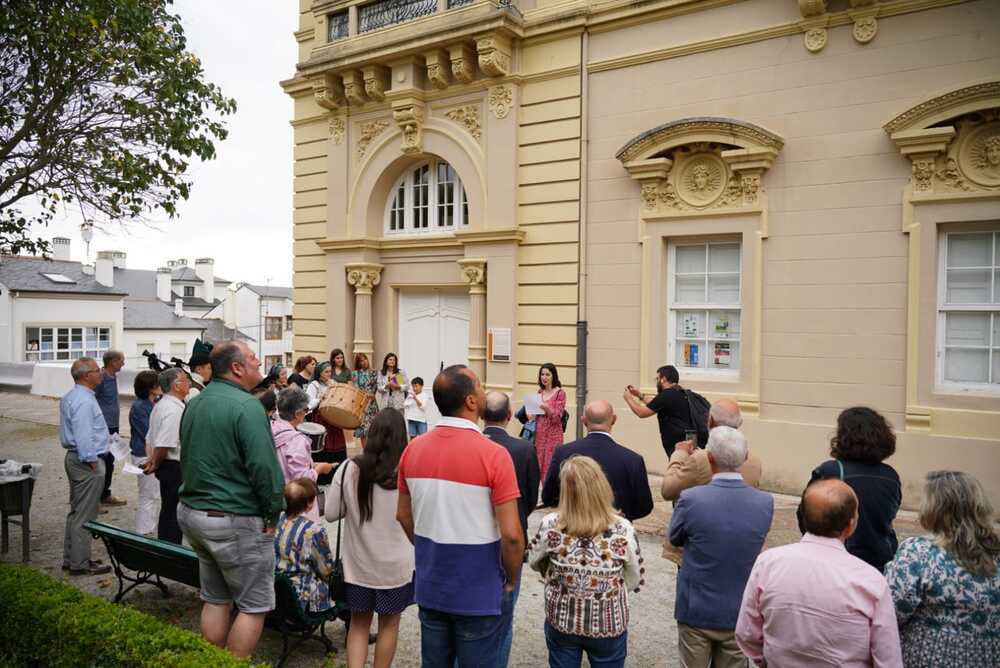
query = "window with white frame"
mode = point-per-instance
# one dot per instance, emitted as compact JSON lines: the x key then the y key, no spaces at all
{"x":428,"y":198}
{"x":704,"y":306}
{"x":968,"y":336}
{"x":45,"y":344}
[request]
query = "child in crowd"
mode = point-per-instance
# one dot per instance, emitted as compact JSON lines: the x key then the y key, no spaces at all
{"x":415,"y":408}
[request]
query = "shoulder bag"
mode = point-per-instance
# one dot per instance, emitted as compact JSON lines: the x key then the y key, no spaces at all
{"x":338,"y":587}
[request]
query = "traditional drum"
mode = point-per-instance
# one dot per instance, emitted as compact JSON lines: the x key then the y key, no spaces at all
{"x":316,"y":434}
{"x":344,"y":406}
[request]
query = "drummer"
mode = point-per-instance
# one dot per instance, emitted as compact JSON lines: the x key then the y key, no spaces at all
{"x":334,"y":447}
{"x":292,"y":446}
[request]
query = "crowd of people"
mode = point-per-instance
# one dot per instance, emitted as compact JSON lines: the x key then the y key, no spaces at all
{"x":439,"y":518}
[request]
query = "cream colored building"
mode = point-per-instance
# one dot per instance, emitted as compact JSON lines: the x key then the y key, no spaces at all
{"x":795,"y":202}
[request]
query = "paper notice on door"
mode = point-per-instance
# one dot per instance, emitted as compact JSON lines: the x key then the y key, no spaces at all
{"x":533,"y":404}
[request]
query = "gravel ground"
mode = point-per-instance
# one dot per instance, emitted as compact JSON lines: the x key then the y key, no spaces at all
{"x":27,"y":434}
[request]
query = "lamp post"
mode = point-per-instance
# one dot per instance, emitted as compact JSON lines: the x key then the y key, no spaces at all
{"x":87,"y":232}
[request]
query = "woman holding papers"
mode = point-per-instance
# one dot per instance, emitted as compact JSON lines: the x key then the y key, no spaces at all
{"x":550,"y":404}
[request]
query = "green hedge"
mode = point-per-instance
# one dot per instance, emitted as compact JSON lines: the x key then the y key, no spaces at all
{"x":49,"y":623}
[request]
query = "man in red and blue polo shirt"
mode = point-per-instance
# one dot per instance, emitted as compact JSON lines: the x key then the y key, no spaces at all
{"x":458,"y":504}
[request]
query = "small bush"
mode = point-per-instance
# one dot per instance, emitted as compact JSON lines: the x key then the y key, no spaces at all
{"x":44,"y":622}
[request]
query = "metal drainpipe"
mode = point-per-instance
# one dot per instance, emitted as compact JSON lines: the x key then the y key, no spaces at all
{"x":581,"y":302}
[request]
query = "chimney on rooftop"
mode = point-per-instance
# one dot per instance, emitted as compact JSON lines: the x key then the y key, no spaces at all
{"x":163,"y":275}
{"x":204,"y":269}
{"x":229,"y":307}
{"x":178,"y":307}
{"x":88,"y":269}
{"x":60,"y":248}
{"x":105,"y":272}
{"x":118,"y":259}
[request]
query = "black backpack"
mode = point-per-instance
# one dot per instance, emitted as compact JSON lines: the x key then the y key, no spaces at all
{"x":698,"y":406}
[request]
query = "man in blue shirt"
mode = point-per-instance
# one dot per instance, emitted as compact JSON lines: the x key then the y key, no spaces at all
{"x":106,"y":393}
{"x":83,"y":432}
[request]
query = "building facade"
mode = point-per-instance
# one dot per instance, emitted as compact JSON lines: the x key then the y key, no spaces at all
{"x":797,"y":203}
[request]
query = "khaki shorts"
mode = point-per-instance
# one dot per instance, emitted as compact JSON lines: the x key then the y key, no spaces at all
{"x":235,"y":556}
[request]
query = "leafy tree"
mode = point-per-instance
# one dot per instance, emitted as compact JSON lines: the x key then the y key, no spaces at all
{"x":102,"y":108}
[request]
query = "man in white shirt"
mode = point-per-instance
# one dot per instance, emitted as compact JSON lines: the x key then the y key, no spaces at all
{"x":163,"y":440}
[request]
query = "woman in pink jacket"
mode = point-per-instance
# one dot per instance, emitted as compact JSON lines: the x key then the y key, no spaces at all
{"x":292,"y":446}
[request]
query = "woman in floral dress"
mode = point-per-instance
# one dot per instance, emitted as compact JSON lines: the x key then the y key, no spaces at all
{"x":946,"y":586}
{"x":365,"y":379}
{"x":548,"y":425}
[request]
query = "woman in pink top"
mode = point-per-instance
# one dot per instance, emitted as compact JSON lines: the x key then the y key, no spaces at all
{"x":292,"y":446}
{"x":377,"y":555}
{"x":548,"y":425}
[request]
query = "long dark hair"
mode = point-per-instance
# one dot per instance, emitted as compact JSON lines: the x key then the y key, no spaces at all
{"x":385,"y":362}
{"x":555,"y":374}
{"x":378,"y":463}
{"x":333,"y":356}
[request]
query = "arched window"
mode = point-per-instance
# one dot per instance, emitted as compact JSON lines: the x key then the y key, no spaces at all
{"x":429,"y":198}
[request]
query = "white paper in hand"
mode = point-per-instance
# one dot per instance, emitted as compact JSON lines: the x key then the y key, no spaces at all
{"x":119,"y":448}
{"x":533,"y":404}
{"x":132,"y":469}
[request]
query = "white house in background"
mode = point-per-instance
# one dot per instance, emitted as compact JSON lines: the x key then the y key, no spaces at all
{"x":264,"y":312}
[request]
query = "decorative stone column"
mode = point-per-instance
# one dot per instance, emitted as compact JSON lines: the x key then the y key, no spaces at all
{"x":364,"y":276}
{"x":474,"y":273}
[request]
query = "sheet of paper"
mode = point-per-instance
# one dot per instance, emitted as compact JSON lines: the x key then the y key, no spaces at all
{"x":533,"y":404}
{"x":119,"y":447}
{"x":132,"y":469}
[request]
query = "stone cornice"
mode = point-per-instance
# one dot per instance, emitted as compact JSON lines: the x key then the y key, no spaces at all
{"x":708,"y":128}
{"x":980,"y":95}
{"x":456,"y":240}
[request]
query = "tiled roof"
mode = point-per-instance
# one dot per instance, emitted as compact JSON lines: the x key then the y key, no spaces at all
{"x":271,"y":291}
{"x":154,"y":314}
{"x":25,"y":273}
{"x":216,"y":330}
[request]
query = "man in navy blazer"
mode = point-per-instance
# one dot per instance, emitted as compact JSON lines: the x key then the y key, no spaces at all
{"x":722,"y":527}
{"x":625,"y":470}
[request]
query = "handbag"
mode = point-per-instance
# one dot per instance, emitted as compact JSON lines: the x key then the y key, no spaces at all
{"x":338,"y":587}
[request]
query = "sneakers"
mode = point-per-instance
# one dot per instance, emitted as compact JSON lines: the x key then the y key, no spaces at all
{"x":113,"y":501}
{"x":94,"y":567}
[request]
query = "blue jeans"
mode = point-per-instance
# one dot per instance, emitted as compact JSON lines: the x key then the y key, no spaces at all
{"x":416,"y":428}
{"x":508,"y":637}
{"x":566,"y":651}
{"x":447,"y":639}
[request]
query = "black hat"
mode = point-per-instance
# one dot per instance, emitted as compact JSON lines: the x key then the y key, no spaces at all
{"x":200,"y":354}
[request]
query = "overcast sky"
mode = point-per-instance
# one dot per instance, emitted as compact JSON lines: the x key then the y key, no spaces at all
{"x":240,"y":209}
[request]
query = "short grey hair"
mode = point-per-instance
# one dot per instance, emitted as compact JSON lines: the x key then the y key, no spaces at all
{"x":290,"y":401}
{"x":728,"y":448}
{"x":168,"y":377}
{"x":113,"y":355}
{"x":81,"y":367}
{"x":724,"y":417}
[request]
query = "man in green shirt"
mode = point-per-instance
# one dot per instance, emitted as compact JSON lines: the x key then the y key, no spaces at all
{"x":231,"y":498}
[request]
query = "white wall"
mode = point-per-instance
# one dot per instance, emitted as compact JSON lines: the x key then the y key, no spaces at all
{"x":6,"y":324}
{"x":159,"y":341}
{"x":39,"y":310}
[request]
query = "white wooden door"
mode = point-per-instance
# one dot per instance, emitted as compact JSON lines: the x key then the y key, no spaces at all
{"x":433,"y":334}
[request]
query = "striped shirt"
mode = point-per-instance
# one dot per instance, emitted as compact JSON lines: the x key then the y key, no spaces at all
{"x":455,"y":476}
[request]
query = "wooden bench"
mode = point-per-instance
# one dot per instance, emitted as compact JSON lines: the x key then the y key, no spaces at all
{"x":152,"y":560}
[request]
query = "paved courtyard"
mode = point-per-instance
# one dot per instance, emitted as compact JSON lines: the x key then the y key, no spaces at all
{"x":28,"y":433}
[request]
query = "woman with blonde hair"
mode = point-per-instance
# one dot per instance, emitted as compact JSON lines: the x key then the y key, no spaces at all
{"x":589,"y":558}
{"x":946,"y":586}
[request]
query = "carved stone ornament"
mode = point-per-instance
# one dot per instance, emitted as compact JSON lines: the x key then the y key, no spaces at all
{"x":337,"y":128}
{"x":438,"y":68}
{"x":979,"y":154}
{"x":328,"y":91}
{"x":369,"y":131}
{"x":463,"y":63}
{"x":376,"y":81}
{"x":354,"y":87}
{"x":811,"y":8}
{"x":750,"y":185}
{"x":865,"y":29}
{"x":364,"y":277}
{"x":494,"y":55}
{"x":410,"y":119}
{"x":961,"y":157}
{"x":923,"y":172}
{"x":500,"y":100}
{"x":467,"y":117}
{"x":473,"y":271}
{"x":701,"y":179}
{"x":815,"y":39}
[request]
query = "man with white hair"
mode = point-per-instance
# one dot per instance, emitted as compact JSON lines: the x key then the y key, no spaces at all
{"x":689,"y":465}
{"x":722,"y":527}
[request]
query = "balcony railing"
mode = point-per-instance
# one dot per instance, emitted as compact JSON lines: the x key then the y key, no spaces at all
{"x":338,"y":26}
{"x":385,"y":13}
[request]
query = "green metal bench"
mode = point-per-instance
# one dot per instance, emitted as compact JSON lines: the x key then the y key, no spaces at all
{"x":292,"y":621}
{"x":149,"y":558}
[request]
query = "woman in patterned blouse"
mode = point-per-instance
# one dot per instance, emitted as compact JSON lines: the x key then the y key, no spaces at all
{"x":589,"y":557}
{"x":301,"y":549}
{"x":947,"y":586}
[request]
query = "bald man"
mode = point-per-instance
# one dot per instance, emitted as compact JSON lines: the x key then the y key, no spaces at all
{"x":689,"y":465}
{"x":814,"y":604}
{"x":625,"y":470}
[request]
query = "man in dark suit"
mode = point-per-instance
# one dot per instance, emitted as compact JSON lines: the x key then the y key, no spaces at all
{"x":625,"y":470}
{"x":722,"y":527}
